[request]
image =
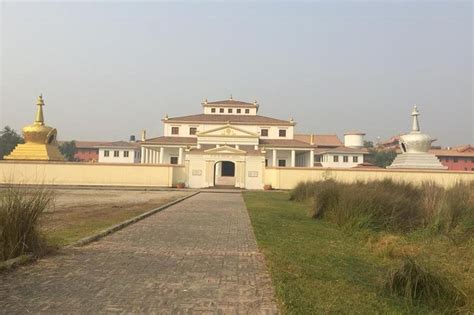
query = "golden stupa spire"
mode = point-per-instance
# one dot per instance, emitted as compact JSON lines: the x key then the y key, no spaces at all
{"x":40,"y":140}
{"x":39,"y":120}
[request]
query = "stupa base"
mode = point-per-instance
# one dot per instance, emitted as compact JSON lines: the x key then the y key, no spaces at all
{"x":417,"y":161}
{"x":35,"y":151}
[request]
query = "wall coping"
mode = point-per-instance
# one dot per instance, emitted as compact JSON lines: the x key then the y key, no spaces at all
{"x":87,"y":163}
{"x":375,"y":170}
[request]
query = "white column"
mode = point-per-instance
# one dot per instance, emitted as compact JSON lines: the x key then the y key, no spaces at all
{"x":180,"y":156}
{"x":292,"y":158}
{"x":274,"y":160}
{"x":147,"y":155}
{"x":311,"y":158}
{"x":153,"y":157}
{"x":142,"y":157}
{"x":162,"y":152}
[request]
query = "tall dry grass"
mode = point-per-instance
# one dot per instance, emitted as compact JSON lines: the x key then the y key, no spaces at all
{"x":391,"y":206}
{"x":20,"y":209}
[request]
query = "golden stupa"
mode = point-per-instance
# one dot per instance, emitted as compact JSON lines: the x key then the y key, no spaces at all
{"x":40,"y":140}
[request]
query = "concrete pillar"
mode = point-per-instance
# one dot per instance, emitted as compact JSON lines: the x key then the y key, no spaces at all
{"x":162,"y":153}
{"x":311,"y":158}
{"x":142,"y":157}
{"x":293,"y":154}
{"x":274,"y":160}
{"x":180,"y":156}
{"x":147,"y":155}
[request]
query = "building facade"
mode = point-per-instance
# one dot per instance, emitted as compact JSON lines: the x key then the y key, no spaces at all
{"x":119,"y":152}
{"x":230,"y":144}
{"x":460,"y":158}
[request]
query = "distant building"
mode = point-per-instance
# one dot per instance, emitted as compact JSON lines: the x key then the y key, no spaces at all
{"x":119,"y":152}
{"x":391,"y":144}
{"x":460,"y":158}
{"x":230,"y":144}
{"x":88,"y":151}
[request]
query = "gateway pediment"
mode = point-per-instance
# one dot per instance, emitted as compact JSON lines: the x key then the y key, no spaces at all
{"x":225,"y":150}
{"x":228,"y":131}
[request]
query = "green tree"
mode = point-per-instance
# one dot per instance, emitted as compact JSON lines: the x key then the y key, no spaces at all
{"x":381,"y":158}
{"x":9,"y":139}
{"x":68,"y":149}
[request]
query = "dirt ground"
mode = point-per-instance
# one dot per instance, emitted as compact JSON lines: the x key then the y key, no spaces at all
{"x":79,"y":213}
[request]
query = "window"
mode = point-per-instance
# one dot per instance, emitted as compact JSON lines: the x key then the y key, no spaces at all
{"x":247,"y":111}
{"x":281,"y":163}
{"x":335,"y":158}
{"x":355,"y":159}
{"x":213,"y":110}
{"x":266,"y":162}
{"x":229,"y":110}
{"x":125,"y":153}
{"x":175,"y":130}
{"x":192,"y":130}
{"x":239,"y":110}
{"x":317,"y":158}
{"x":116,"y":153}
{"x":106,"y":153}
{"x":345,"y":159}
{"x":455,"y":160}
{"x":282,"y":133}
{"x":221,"y":110}
{"x":174,"y":160}
{"x":264,"y":132}
{"x":472,"y":169}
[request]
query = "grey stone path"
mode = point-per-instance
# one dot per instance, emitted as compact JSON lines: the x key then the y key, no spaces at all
{"x":196,"y":257}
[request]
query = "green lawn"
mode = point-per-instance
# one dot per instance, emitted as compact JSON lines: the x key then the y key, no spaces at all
{"x":316,"y":267}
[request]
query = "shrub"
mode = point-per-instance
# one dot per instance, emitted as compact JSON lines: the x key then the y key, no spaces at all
{"x":20,"y":209}
{"x":418,"y":284}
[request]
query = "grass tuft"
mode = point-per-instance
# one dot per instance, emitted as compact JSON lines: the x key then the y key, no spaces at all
{"x":415,"y":284}
{"x":20,"y":209}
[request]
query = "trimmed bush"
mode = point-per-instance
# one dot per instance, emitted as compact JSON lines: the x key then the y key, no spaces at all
{"x":20,"y":209}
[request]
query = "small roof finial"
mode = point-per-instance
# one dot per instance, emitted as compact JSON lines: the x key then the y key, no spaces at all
{"x":230,"y":98}
{"x":39,"y":120}
{"x":416,"y":125}
{"x":205,"y":100}
{"x":40,"y":100}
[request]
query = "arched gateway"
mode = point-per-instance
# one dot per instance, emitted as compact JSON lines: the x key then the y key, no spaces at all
{"x":225,"y":166}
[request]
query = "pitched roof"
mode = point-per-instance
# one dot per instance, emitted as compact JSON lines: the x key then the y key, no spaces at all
{"x":287,"y":143}
{"x":88,"y":144}
{"x":171,"y":140}
{"x":461,"y":151}
{"x":231,"y":102}
{"x":236,"y":119}
{"x":119,"y":144}
{"x":320,"y":140}
{"x":341,"y":150}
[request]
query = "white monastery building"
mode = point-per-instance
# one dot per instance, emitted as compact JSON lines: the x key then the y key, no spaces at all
{"x":119,"y":152}
{"x":230,"y":144}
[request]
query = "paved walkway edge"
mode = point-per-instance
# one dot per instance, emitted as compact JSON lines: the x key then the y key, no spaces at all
{"x":117,"y":227}
{"x":15,"y":262}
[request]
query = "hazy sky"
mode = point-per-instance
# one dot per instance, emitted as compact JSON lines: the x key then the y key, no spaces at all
{"x":110,"y":69}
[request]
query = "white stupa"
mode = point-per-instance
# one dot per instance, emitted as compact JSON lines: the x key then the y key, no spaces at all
{"x":415,"y":146}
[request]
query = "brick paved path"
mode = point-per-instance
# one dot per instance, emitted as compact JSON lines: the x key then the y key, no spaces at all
{"x":196,"y":257}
